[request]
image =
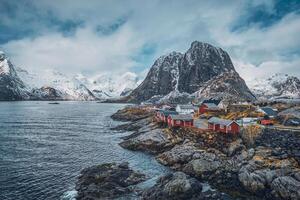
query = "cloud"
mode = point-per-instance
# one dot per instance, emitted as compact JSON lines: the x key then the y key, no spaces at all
{"x":117,"y":36}
{"x":84,"y":51}
{"x":251,"y":72}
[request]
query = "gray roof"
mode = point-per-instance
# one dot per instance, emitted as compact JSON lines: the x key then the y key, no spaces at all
{"x":168,"y":112}
{"x":269,"y":111}
{"x":182,"y":117}
{"x":211,"y":105}
{"x":216,"y":120}
{"x":187,"y":107}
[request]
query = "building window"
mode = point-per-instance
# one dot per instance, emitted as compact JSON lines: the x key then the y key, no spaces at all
{"x":229,"y":128}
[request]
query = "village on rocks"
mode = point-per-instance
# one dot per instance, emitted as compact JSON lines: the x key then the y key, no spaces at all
{"x":242,"y":150}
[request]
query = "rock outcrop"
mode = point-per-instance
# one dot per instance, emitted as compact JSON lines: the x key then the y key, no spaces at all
{"x":179,"y":186}
{"x":107,"y":181}
{"x":131,"y":114}
{"x":149,"y":140}
{"x":174,"y":186}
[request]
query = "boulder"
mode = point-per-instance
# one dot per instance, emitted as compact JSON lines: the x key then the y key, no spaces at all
{"x":153,"y":141}
{"x":174,"y":186}
{"x":235,"y":147}
{"x":179,"y":154}
{"x":286,"y":187}
{"x":206,"y":164}
{"x":106,"y":181}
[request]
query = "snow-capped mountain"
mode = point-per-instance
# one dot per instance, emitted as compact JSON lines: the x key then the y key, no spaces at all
{"x":106,"y":86}
{"x":11,"y":86}
{"x":53,"y":85}
{"x":276,"y":86}
{"x":203,"y":71}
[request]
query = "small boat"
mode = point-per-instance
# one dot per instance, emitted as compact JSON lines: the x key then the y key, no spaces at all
{"x":53,"y":103}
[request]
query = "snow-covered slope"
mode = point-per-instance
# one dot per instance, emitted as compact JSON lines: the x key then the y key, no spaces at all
{"x":276,"y":86}
{"x":54,"y":85}
{"x":44,"y":83}
{"x":227,"y":86}
{"x":106,"y":86}
{"x":11,"y":86}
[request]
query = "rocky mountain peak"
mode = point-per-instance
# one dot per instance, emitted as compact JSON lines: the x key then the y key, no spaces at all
{"x":178,"y":73}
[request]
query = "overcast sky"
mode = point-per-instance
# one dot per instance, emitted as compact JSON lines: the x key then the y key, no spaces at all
{"x":94,"y":36}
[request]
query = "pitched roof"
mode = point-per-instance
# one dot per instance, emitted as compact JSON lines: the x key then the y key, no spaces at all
{"x":168,"y":112}
{"x":211,"y":105}
{"x":216,"y":120}
{"x":214,"y":101}
{"x":187,"y":107}
{"x":186,"y":117}
{"x":269,"y":111}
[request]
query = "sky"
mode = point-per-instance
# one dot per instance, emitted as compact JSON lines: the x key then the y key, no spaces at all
{"x":116,"y":36}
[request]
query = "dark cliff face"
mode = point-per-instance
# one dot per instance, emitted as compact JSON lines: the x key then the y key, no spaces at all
{"x":11,"y":86}
{"x":201,"y":63}
{"x":160,"y":80}
{"x":188,"y":73}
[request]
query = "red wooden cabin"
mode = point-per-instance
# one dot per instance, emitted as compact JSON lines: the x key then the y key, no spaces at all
{"x":223,"y":125}
{"x":183,"y":120}
{"x":266,"y":122}
{"x":208,"y":107}
{"x":162,"y":115}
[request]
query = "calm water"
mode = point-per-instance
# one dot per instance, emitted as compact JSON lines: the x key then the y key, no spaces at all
{"x":43,"y":147}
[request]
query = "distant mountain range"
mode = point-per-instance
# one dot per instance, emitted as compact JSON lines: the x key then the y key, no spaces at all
{"x":19,"y":84}
{"x":204,"y":71}
{"x":277,"y":86}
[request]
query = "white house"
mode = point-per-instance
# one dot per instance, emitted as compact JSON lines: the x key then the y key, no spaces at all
{"x":186,"y":109}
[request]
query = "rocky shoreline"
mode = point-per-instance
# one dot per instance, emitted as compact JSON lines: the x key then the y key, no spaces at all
{"x":266,"y":168}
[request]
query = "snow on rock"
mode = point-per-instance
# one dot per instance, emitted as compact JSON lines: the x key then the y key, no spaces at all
{"x":66,"y":88}
{"x":226,"y":86}
{"x":11,"y":86}
{"x":4,"y":64}
{"x":276,"y":86}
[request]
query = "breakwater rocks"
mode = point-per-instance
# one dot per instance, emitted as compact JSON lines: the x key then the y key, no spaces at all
{"x":268,"y":169}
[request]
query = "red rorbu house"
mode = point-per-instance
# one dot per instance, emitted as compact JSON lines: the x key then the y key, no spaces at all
{"x":208,"y":107}
{"x":223,"y":125}
{"x":183,"y":120}
{"x":162,"y":115}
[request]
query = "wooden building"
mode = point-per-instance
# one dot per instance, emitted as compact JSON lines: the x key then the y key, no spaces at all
{"x":162,"y":115}
{"x":223,"y":125}
{"x":208,"y":107}
{"x":182,"y":120}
